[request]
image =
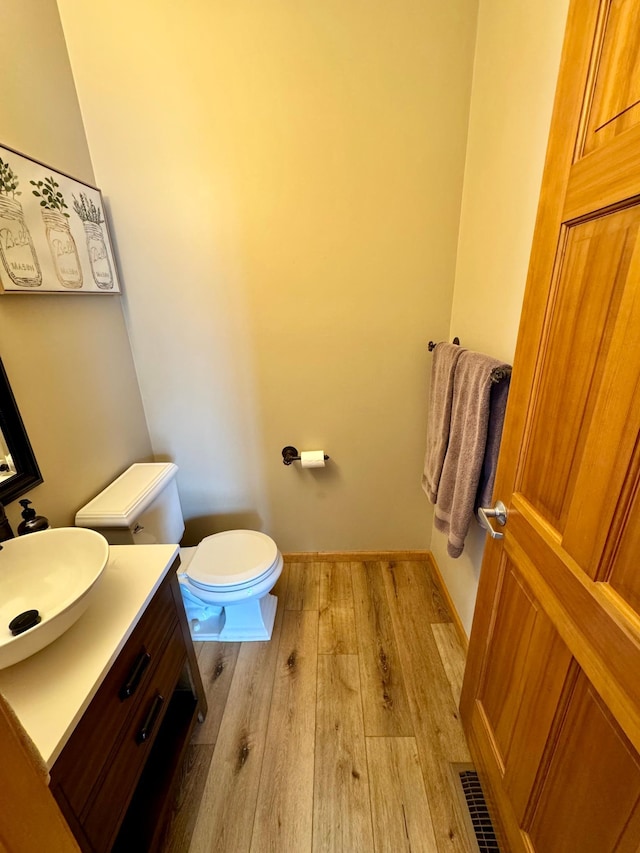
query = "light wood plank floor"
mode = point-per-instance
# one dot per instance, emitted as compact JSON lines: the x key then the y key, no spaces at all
{"x":338,"y":734}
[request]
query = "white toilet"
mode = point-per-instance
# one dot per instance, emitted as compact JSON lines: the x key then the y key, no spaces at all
{"x":226,"y":580}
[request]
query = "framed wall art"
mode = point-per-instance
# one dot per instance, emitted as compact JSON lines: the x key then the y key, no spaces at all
{"x":53,"y":233}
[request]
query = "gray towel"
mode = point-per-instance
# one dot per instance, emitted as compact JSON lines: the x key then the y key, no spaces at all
{"x":443,"y":366}
{"x":465,"y":453}
{"x":497,"y":408}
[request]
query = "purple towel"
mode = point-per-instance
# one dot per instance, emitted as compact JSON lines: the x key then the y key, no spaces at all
{"x":464,"y":458}
{"x":445,"y":358}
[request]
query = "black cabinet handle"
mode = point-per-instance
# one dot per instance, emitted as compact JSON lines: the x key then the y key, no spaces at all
{"x":147,"y":727}
{"x":135,"y":676}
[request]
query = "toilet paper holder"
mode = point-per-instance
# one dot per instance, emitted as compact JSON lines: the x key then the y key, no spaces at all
{"x":290,"y":454}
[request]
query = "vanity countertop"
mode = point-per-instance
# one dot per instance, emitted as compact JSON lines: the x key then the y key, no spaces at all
{"x":51,"y":690}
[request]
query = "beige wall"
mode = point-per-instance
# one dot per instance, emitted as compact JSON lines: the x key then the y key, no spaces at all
{"x":67,"y":357}
{"x":285,"y":184}
{"x":516,"y":65}
{"x":285,"y":192}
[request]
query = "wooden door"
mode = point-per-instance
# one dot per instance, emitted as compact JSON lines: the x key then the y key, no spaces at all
{"x":30,"y":821}
{"x":551,"y":699}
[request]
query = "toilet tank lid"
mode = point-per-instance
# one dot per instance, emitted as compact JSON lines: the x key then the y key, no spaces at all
{"x":120,"y":504}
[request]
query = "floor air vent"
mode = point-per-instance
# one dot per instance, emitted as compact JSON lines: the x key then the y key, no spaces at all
{"x":476,"y":811}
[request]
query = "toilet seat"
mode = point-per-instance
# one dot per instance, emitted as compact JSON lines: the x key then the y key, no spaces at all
{"x":232,"y":560}
{"x":235,"y":587}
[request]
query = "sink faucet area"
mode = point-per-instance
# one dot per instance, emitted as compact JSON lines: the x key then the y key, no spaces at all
{"x":55,"y":572}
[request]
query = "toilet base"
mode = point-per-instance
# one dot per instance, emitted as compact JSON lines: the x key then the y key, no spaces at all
{"x":248,"y":621}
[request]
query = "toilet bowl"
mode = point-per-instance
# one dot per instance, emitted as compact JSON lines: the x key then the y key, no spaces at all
{"x":225,"y":581}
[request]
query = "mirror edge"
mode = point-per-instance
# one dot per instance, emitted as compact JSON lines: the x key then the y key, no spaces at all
{"x":27,"y":471}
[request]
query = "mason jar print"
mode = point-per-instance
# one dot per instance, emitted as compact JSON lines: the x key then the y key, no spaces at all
{"x":63,"y":249}
{"x":16,"y":246}
{"x":56,"y":222}
{"x":90,"y":215}
{"x":98,"y":256}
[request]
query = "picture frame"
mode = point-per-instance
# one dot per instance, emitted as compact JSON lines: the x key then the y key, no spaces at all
{"x":54,"y":237}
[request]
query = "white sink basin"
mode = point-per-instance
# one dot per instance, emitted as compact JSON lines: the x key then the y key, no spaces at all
{"x":55,"y":572}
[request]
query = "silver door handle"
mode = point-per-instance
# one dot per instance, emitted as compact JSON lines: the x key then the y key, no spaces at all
{"x":499,"y":512}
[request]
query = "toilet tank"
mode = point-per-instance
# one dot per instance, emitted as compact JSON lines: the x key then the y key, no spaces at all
{"x":141,"y":507}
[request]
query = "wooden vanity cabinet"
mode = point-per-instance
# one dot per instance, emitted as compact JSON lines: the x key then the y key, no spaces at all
{"x":115,"y":776}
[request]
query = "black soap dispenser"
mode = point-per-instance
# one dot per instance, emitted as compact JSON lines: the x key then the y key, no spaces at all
{"x":32,"y":522}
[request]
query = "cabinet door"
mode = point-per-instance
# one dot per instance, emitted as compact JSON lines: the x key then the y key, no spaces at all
{"x":103,"y":818}
{"x":86,"y":757}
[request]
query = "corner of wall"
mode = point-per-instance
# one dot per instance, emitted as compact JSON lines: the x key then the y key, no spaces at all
{"x":518,"y":49}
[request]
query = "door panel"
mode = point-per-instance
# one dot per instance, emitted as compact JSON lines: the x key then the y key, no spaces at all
{"x":590,"y":817}
{"x":599,"y":497}
{"x":520,"y":688}
{"x":596,"y":260}
{"x":551,"y":696}
{"x":621,"y":570}
{"x":616,"y":102}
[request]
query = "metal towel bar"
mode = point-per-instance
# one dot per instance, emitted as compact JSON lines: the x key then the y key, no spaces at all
{"x":498,"y":374}
{"x":432,"y":344}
